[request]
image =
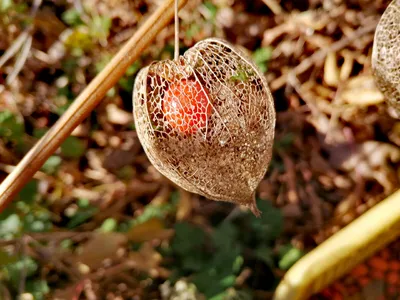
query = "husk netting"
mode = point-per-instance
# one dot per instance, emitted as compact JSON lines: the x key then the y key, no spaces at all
{"x":206,"y":121}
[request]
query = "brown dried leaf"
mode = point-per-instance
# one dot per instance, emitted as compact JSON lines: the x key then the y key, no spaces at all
{"x":371,"y":160}
{"x":362,"y":91}
{"x":100,"y":247}
{"x":331,"y":70}
{"x":118,"y":116}
{"x":149,"y":230}
{"x":347,"y":66}
{"x":148,"y":260}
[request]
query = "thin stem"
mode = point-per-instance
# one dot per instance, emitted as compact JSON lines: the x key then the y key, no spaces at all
{"x":86,"y":102}
{"x":176,"y":56}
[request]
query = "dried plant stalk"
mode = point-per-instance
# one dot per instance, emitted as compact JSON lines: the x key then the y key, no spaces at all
{"x":386,"y":55}
{"x":206,"y":121}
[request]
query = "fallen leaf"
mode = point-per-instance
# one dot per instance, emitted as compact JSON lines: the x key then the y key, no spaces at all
{"x":362,"y":91}
{"x":99,"y":247}
{"x":331,"y":70}
{"x":148,"y":260}
{"x":371,"y":160}
{"x":347,"y":66}
{"x":118,"y":116}
{"x":149,"y":230}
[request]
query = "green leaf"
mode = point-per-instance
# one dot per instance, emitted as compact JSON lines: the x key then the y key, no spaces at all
{"x":81,"y":216}
{"x":228,"y":280}
{"x":109,"y":225}
{"x":37,"y":220}
{"x":188,"y":245}
{"x":154,"y":211}
{"x":212,"y":283}
{"x":237,"y":264}
{"x":73,"y":147}
{"x":269,"y":226}
{"x":285,"y":142}
{"x":28,"y":192}
{"x":72,"y":17}
{"x":187,"y":238}
{"x":5,"y":4}
{"x":39,"y":132}
{"x":83,"y":203}
{"x":289,"y":255}
{"x":51,"y":165}
{"x":212,"y":9}
{"x":261,"y":56}
{"x":193,"y":30}
{"x":100,"y":27}
{"x":239,"y":76}
{"x":225,"y":235}
{"x":193,"y":262}
{"x":221,"y":296}
{"x":265,"y":254}
{"x":78,"y":42}
{"x":102,"y":61}
{"x":233,"y":294}
{"x":11,"y":129}
{"x":38,"y":288}
{"x":66,"y":244}
{"x":14,"y":270}
{"x":127,"y":81}
{"x":6,"y":258}
{"x":10,"y":226}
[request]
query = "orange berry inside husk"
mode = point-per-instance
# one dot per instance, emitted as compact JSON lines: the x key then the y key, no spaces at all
{"x":186,"y":106}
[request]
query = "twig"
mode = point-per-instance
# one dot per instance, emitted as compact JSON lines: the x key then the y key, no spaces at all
{"x":35,"y":6}
{"x":24,"y":271}
{"x":23,"y":43}
{"x":19,"y":64}
{"x":86,"y":102}
{"x":9,"y":169}
{"x":274,"y":6}
{"x":13,"y":49}
{"x":320,"y":55}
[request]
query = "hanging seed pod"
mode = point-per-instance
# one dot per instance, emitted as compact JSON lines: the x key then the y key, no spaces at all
{"x":206,"y":121}
{"x":386,"y":55}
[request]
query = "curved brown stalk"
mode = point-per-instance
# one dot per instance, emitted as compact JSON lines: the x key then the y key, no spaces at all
{"x":86,"y":102}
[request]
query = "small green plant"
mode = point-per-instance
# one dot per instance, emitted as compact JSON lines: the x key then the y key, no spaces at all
{"x":213,"y":260}
{"x":11,"y":128}
{"x":261,"y":56}
{"x":84,"y":212}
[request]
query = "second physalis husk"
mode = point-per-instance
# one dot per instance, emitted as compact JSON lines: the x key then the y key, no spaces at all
{"x":206,"y":121}
{"x":386,"y":56}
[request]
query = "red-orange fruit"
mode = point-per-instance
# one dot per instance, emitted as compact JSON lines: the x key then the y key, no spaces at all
{"x":378,"y":263}
{"x":394,"y":265}
{"x":377,"y":274}
{"x":363,"y":281}
{"x":359,"y":270}
{"x":393,"y":278}
{"x":186,"y":106}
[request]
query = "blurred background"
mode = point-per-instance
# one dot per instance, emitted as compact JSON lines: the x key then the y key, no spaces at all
{"x":99,"y":222}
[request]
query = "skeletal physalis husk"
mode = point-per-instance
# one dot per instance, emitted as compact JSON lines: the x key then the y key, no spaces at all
{"x":386,"y":55}
{"x":218,"y":141}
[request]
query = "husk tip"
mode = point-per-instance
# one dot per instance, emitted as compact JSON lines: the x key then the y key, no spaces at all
{"x":253,"y":207}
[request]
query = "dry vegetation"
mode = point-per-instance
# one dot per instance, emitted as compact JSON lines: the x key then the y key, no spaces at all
{"x":99,"y":222}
